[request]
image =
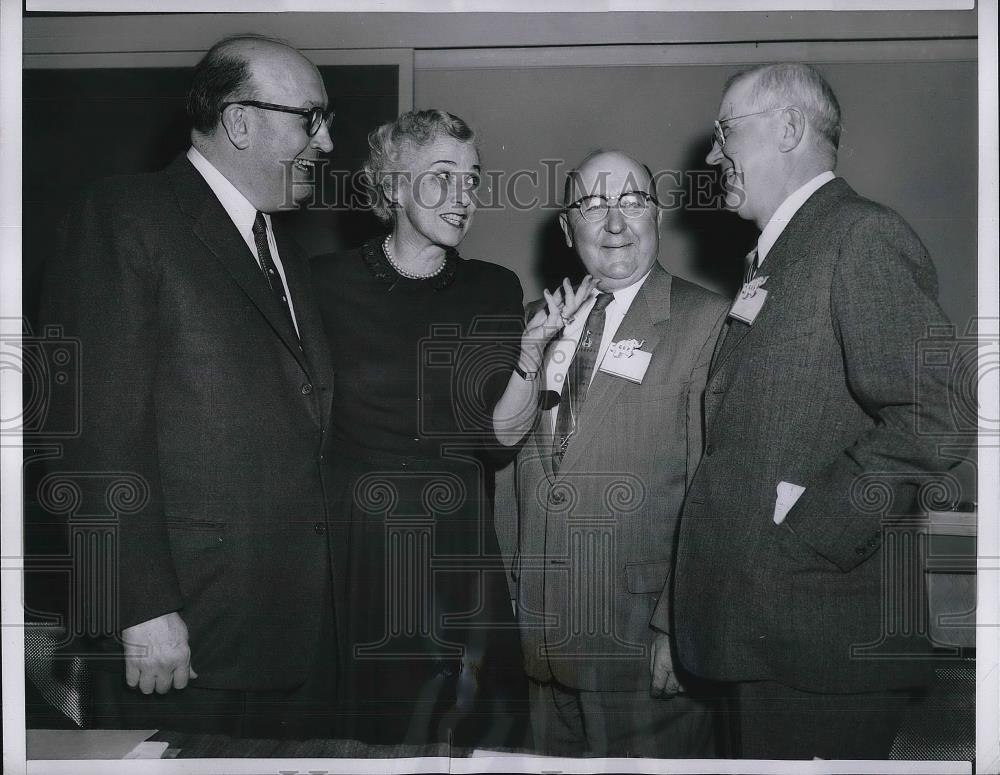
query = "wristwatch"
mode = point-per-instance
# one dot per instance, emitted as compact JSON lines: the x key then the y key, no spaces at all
{"x":527,"y":376}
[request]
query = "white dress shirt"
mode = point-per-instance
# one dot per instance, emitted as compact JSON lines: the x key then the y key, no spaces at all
{"x":786,"y":211}
{"x":243,"y":215}
{"x":560,"y":353}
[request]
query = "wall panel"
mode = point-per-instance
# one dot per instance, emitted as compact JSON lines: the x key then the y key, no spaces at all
{"x":910,"y":117}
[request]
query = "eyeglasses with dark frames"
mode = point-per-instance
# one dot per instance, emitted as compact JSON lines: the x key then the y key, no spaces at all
{"x":595,"y":207}
{"x":719,"y":136}
{"x":315,"y":117}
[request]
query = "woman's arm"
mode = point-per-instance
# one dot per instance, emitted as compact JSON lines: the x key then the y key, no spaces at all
{"x":517,"y":409}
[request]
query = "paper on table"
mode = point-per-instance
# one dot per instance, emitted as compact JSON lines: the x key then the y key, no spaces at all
{"x":484,"y":753}
{"x":84,"y":743}
{"x":148,"y":750}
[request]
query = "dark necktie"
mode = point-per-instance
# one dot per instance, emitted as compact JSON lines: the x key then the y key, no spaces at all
{"x":577,"y":382}
{"x":752,"y":266}
{"x":268,"y":267}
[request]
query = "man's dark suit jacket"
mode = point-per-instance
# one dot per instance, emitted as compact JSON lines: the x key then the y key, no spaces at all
{"x":193,"y":380}
{"x":596,"y":536}
{"x":823,"y":390}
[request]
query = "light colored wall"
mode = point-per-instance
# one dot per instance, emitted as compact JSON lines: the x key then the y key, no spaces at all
{"x":315,"y":31}
{"x":553,"y":86}
{"x":910,"y":113}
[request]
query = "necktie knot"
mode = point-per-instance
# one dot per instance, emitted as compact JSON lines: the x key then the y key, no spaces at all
{"x":603,"y":300}
{"x":753,"y":264}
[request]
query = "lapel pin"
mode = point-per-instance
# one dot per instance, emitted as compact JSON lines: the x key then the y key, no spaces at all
{"x":626,"y":347}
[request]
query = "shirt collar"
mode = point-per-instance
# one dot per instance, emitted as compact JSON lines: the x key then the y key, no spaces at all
{"x":625,"y":296}
{"x":786,"y":210}
{"x":233,"y":202}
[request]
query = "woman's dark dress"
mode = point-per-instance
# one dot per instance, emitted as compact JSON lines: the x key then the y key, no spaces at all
{"x":430,"y":649}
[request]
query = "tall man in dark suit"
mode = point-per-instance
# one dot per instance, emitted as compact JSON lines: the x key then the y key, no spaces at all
{"x":206,"y":382}
{"x":782,"y":579}
{"x":601,"y":478}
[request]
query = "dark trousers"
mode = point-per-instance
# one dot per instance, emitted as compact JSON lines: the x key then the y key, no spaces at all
{"x":568,"y":722}
{"x":774,"y":721}
{"x":301,"y":713}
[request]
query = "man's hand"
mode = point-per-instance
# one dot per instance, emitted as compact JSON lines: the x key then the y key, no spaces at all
{"x":661,"y":669}
{"x":157,"y":654}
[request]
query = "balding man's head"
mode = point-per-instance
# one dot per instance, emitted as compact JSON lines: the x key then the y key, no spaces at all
{"x":611,"y":218}
{"x":573,"y":175}
{"x":260,"y":115}
{"x":228,"y":72}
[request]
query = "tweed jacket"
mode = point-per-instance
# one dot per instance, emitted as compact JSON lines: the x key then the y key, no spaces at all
{"x":596,"y":536}
{"x":825,"y":391}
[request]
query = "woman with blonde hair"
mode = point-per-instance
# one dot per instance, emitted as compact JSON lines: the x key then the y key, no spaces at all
{"x":423,"y":342}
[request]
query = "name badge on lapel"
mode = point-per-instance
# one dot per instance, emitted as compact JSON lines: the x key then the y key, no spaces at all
{"x":625,"y":359}
{"x":749,"y":301}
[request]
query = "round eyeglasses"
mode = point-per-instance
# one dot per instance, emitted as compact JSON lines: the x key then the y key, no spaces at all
{"x":719,"y":135}
{"x":595,"y":207}
{"x":315,"y":117}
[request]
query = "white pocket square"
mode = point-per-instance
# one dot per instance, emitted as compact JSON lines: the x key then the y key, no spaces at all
{"x":788,"y":493}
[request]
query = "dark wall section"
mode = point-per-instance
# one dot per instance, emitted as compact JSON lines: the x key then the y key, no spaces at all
{"x":82,"y":125}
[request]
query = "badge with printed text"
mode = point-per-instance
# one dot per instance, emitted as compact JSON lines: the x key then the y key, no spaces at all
{"x":626,"y":359}
{"x":749,"y":301}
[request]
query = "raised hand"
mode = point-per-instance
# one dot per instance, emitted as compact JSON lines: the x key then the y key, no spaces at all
{"x":561,"y":306}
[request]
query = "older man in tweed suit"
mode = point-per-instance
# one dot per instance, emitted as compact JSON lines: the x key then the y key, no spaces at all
{"x":814,"y":393}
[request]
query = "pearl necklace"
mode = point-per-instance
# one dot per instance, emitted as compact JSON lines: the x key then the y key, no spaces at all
{"x":403,"y":272}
